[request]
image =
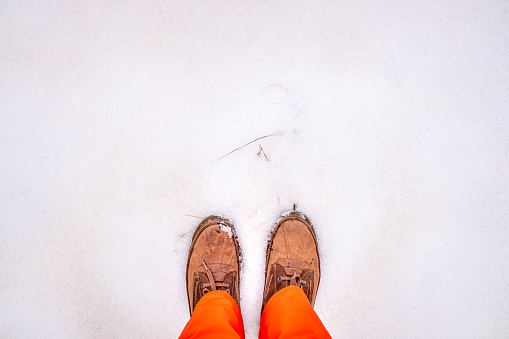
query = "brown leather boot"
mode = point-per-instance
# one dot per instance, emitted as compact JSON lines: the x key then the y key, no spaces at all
{"x":292,"y":258}
{"x":213,"y":262}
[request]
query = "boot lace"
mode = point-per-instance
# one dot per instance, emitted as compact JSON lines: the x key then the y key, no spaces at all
{"x":294,"y":280}
{"x":212,"y":285}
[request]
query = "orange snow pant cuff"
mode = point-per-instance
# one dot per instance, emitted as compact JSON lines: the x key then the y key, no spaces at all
{"x":288,"y":314}
{"x":216,"y":315}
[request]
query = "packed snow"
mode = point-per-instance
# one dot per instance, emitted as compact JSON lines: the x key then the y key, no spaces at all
{"x":226,"y":229}
{"x":124,"y":124}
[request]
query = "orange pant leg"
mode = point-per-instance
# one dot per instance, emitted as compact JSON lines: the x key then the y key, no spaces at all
{"x":216,"y":315}
{"x":288,"y":314}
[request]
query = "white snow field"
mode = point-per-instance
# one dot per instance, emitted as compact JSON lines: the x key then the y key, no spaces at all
{"x":387,"y":125}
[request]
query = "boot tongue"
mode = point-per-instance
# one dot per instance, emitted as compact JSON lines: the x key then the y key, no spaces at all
{"x":216,"y":280}
{"x":291,"y":266}
{"x":290,"y":271}
{"x":220,"y":270}
{"x":290,"y":262}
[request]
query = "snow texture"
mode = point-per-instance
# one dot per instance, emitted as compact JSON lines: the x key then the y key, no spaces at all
{"x":387,"y":125}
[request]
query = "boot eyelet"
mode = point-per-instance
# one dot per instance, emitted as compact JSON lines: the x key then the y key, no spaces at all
{"x":196,"y":277}
{"x":278,"y":278}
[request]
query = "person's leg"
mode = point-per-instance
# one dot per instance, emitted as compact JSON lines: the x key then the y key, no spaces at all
{"x":216,"y":315}
{"x":292,"y":276}
{"x":288,"y":314}
{"x":212,"y":277}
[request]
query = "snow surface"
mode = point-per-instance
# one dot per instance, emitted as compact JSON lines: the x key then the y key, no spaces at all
{"x":389,"y":129}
